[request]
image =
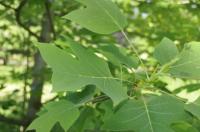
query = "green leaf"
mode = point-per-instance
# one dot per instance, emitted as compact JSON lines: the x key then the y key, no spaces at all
{"x":100,"y":16}
{"x":151,"y":114}
{"x":62,"y":111}
{"x":82,"y":96}
{"x":183,"y":127}
{"x":165,"y":51}
{"x":194,"y":108}
{"x":188,"y":65}
{"x":118,"y":55}
{"x":85,"y":120}
{"x":72,"y":72}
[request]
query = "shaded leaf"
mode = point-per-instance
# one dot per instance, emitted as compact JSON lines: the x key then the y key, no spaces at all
{"x":194,"y":108}
{"x":62,"y":111}
{"x":100,"y":16}
{"x":183,"y":127}
{"x":118,"y":55}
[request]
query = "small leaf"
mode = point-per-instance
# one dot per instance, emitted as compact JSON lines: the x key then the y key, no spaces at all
{"x":194,"y":108}
{"x":118,"y":55}
{"x":188,"y":65}
{"x":100,"y":16}
{"x":151,"y":114}
{"x":165,"y":51}
{"x":73,"y":72}
{"x":62,"y":111}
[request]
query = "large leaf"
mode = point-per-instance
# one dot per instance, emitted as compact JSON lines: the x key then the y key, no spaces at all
{"x":165,"y":51}
{"x":72,"y":73}
{"x":100,"y":16}
{"x":118,"y":55}
{"x":151,"y":114}
{"x":194,"y":108}
{"x":62,"y":111}
{"x":188,"y":65}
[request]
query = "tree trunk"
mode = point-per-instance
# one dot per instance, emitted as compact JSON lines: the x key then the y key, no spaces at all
{"x":38,"y":70}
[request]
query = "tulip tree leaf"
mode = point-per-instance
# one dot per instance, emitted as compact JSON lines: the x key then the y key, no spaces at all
{"x":100,"y":16}
{"x":62,"y":111}
{"x":72,"y":72}
{"x":188,"y":65}
{"x":194,"y":108}
{"x":165,"y":51}
{"x":151,"y":114}
{"x":118,"y":56}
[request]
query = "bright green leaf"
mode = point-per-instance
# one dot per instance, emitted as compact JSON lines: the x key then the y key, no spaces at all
{"x":151,"y":114}
{"x":165,"y":51}
{"x":72,"y":72}
{"x":100,"y":16}
{"x":194,"y":108}
{"x":188,"y":65}
{"x":62,"y":111}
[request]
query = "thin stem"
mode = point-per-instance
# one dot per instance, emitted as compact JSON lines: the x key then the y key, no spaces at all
{"x":136,"y":52}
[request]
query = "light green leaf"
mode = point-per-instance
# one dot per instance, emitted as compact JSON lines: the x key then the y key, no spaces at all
{"x":118,"y":55}
{"x":151,"y":114}
{"x":72,"y":72}
{"x":100,"y":16}
{"x":194,"y":108}
{"x":62,"y":111}
{"x":188,"y":65}
{"x":165,"y":51}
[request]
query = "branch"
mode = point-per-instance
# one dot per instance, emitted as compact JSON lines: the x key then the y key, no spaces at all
{"x":18,"y":14}
{"x":7,"y":6}
{"x":49,"y":15}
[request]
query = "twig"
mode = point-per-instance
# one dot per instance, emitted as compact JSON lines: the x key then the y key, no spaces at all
{"x":18,"y":14}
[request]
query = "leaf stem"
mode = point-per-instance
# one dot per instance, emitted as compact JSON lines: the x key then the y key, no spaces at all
{"x":136,"y":52}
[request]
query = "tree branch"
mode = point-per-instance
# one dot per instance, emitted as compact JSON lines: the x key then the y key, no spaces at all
{"x":7,"y":6}
{"x":18,"y":14}
{"x":49,"y":15}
